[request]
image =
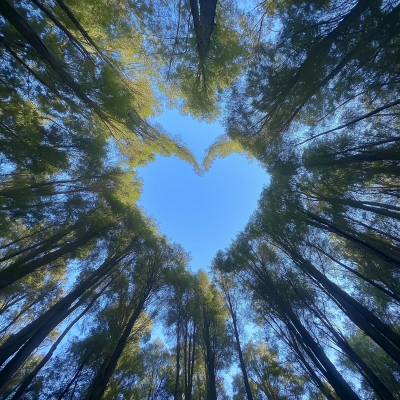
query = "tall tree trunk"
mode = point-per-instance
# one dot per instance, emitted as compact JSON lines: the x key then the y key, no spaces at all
{"x":178,"y":353}
{"x":28,"y":338}
{"x":26,"y":382}
{"x":238,"y":346}
{"x":311,"y":371}
{"x":380,"y":389}
{"x":341,"y":387}
{"x":99,"y":384}
{"x":191,"y":363}
{"x":17,"y":270}
{"x":328,"y":226}
{"x":209,"y":359}
{"x":28,"y":33}
{"x":372,"y":206}
{"x":383,"y":154}
{"x":44,"y":244}
{"x":381,"y":333}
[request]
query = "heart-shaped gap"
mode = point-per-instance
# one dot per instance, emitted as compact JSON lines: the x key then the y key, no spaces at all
{"x":202,"y":213}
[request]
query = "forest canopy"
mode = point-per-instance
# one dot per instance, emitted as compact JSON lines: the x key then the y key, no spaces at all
{"x":303,"y":304}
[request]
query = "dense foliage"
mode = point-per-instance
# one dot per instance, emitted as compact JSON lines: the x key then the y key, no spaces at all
{"x":304,"y":304}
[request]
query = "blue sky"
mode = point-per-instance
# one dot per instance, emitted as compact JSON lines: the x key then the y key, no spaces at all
{"x":202,"y":213}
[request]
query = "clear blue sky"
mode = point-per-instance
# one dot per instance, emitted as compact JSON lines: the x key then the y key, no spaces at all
{"x":202,"y":213}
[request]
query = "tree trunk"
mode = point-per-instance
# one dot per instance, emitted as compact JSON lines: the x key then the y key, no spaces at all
{"x":381,"y":390}
{"x":210,"y":365}
{"x":28,"y":338}
{"x":99,"y":384}
{"x":381,"y":333}
{"x":238,"y":346}
{"x":26,"y":382}
{"x":27,"y":32}
{"x":17,"y":271}
{"x":341,"y":387}
{"x":326,"y":225}
{"x":178,"y":354}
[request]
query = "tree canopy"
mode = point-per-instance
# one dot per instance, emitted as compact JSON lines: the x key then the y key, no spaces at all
{"x":304,"y":303}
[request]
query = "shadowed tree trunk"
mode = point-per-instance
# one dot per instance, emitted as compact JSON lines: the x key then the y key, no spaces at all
{"x":100,"y":382}
{"x":271,"y":295}
{"x":28,"y":338}
{"x":26,"y":382}
{"x":19,"y":268}
{"x":381,"y":333}
{"x":203,"y":14}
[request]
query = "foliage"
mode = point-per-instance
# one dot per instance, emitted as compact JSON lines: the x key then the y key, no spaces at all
{"x":306,"y":298}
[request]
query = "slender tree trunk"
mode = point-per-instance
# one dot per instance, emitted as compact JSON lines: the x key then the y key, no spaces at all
{"x":83,"y":32}
{"x":191,"y":364}
{"x":238,"y":346}
{"x":380,"y":389}
{"x":100,"y":382}
{"x":209,"y":359}
{"x":358,"y":274}
{"x":75,"y":377}
{"x":186,"y":355}
{"x":17,"y":271}
{"x":341,"y":387}
{"x":27,"y":32}
{"x":372,"y":206}
{"x":178,"y":353}
{"x":46,"y":244}
{"x":381,"y":333}
{"x":383,"y":154}
{"x":311,"y":371}
{"x":26,"y":382}
{"x":28,"y":338}
{"x":326,"y":225}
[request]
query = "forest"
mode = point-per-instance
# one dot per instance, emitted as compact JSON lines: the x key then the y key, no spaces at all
{"x":305,"y":301}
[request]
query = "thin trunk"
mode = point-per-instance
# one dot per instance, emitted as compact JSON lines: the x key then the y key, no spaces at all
{"x":209,"y":359}
{"x":47,"y":243}
{"x":238,"y":346}
{"x":186,"y":350}
{"x":26,"y":382}
{"x":17,"y":271}
{"x":379,"y":209}
{"x":83,"y":32}
{"x":70,"y":36}
{"x":191,"y":364}
{"x":27,"y":32}
{"x":309,"y":345}
{"x":75,"y":377}
{"x":326,"y":225}
{"x":28,"y":338}
{"x":22,"y":190}
{"x":311,"y":371}
{"x":99,"y":384}
{"x":384,"y":154}
{"x":358,"y":274}
{"x":378,"y":331}
{"x":178,"y":354}
{"x":381,"y":390}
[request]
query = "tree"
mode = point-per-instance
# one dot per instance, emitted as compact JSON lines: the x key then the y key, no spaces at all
{"x":215,"y":342}
{"x":231,"y":296}
{"x":312,"y":77}
{"x":271,"y":378}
